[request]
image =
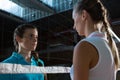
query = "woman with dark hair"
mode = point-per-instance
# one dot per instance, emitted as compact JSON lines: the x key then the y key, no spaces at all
{"x":25,"y":41}
{"x":96,"y":56}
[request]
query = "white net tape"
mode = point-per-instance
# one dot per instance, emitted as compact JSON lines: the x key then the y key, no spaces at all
{"x":18,"y":68}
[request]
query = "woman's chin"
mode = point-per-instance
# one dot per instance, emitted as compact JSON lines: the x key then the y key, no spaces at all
{"x":80,"y":34}
{"x":33,"y":49}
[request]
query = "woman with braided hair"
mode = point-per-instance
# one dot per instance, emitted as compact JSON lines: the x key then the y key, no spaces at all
{"x":25,"y":41}
{"x":96,"y":56}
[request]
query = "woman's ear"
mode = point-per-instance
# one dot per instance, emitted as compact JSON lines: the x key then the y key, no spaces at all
{"x":84,"y":15}
{"x":18,"y":39}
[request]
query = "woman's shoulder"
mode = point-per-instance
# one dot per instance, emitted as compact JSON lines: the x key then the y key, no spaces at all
{"x":12,"y":59}
{"x":9,"y":60}
{"x":84,"y":53}
{"x":83,"y":44}
{"x":85,"y":47}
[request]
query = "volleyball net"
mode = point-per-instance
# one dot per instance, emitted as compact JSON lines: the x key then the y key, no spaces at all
{"x":6,"y":68}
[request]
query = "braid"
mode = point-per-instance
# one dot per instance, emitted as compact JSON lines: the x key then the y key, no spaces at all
{"x":112,"y":45}
{"x":36,"y":57}
{"x":107,"y":29}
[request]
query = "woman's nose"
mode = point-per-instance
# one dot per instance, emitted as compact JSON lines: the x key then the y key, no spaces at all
{"x":35,"y":39}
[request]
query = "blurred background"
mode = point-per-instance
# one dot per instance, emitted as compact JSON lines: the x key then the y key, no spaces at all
{"x":54,"y":21}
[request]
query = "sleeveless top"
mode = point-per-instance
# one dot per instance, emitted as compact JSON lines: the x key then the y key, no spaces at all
{"x":105,"y":68}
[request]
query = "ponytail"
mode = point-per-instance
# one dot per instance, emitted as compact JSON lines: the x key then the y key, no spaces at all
{"x":112,"y":44}
{"x":110,"y":34}
{"x":35,"y":55}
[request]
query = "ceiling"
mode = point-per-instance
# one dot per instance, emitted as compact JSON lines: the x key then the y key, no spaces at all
{"x":36,"y":4}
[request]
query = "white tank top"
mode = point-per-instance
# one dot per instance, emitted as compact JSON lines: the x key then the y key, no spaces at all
{"x":105,"y":68}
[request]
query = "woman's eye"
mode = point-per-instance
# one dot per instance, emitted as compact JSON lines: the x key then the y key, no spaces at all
{"x":31,"y":36}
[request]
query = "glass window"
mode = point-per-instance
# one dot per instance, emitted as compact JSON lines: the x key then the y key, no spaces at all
{"x":11,"y":7}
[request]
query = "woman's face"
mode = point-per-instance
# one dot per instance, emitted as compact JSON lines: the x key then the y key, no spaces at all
{"x":29,"y":40}
{"x":78,"y":23}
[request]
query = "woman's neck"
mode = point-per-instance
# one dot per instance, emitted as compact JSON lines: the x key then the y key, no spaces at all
{"x":89,"y":30}
{"x":26,"y":55}
{"x":90,"y":27}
